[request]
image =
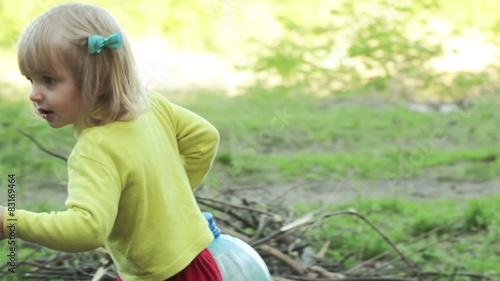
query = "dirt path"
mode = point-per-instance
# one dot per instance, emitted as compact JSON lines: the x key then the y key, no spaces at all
{"x":338,"y":192}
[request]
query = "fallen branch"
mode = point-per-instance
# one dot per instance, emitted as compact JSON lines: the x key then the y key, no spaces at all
{"x":299,"y":278}
{"x":275,"y":217}
{"x":41,"y":147}
{"x":466,"y":274}
{"x":386,"y":253}
{"x":415,"y":251}
{"x":374,"y":227}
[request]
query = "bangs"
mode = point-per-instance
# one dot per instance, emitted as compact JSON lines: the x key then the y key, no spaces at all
{"x":40,"y":49}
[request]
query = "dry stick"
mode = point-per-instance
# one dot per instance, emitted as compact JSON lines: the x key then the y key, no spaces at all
{"x":51,"y":275}
{"x":252,"y":216}
{"x":324,"y":248}
{"x":24,"y":260}
{"x":280,"y":234}
{"x":228,"y":222}
{"x":467,"y":274}
{"x":40,"y":146}
{"x":262,"y":225}
{"x":413,"y":252}
{"x":405,"y":259}
{"x":384,"y":254}
{"x":231,"y":213}
{"x":275,"y":236}
{"x":266,"y":239}
{"x":43,"y":265}
{"x":374,"y":227}
{"x":238,"y":206}
{"x":37,"y":249}
{"x":348,"y":279}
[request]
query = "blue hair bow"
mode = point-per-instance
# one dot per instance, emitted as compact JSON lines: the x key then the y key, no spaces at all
{"x":96,"y":43}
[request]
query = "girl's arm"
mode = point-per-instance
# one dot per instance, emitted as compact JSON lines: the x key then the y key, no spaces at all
{"x":198,"y":141}
{"x":91,"y":211}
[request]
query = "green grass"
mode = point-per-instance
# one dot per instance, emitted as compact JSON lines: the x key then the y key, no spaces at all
{"x":301,"y":135}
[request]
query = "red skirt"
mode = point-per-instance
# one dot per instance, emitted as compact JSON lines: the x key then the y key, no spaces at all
{"x":202,"y":268}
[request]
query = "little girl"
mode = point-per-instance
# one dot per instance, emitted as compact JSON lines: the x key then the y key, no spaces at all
{"x":137,"y":156}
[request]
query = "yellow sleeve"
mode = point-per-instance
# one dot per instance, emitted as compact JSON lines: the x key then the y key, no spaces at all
{"x":198,"y":141}
{"x":92,"y":207}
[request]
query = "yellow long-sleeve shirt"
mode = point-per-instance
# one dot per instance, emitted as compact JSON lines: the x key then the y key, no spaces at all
{"x":130,"y":188}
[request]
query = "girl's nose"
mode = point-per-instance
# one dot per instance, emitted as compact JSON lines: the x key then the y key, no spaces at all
{"x":36,"y":94}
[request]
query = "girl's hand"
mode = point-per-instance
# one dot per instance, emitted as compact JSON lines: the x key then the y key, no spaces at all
{"x":2,"y":211}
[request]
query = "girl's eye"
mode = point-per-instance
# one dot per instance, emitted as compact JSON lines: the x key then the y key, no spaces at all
{"x":49,"y":80}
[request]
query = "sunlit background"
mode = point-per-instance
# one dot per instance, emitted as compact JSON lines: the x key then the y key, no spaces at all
{"x":228,"y":45}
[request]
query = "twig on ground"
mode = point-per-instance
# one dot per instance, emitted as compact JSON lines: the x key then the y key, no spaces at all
{"x":466,"y":274}
{"x":301,"y":278}
{"x":261,"y":226}
{"x":229,"y":212}
{"x":248,"y":208}
{"x":324,"y":248}
{"x":415,"y":251}
{"x":374,"y":227}
{"x":40,"y":146}
{"x":384,"y":254}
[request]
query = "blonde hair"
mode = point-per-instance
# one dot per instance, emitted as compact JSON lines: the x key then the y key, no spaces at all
{"x":109,"y":83}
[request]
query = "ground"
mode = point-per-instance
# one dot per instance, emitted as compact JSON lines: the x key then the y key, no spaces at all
{"x":345,"y":191}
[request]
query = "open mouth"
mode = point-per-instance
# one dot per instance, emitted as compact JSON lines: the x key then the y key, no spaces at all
{"x":46,"y":113}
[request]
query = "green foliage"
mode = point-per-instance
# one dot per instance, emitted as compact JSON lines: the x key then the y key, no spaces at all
{"x":423,"y":223}
{"x":391,"y":205}
{"x":224,"y":158}
{"x":293,"y":60}
{"x":378,"y":47}
{"x":478,"y":215}
{"x":385,"y":46}
{"x":377,"y":50}
{"x":179,"y":21}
